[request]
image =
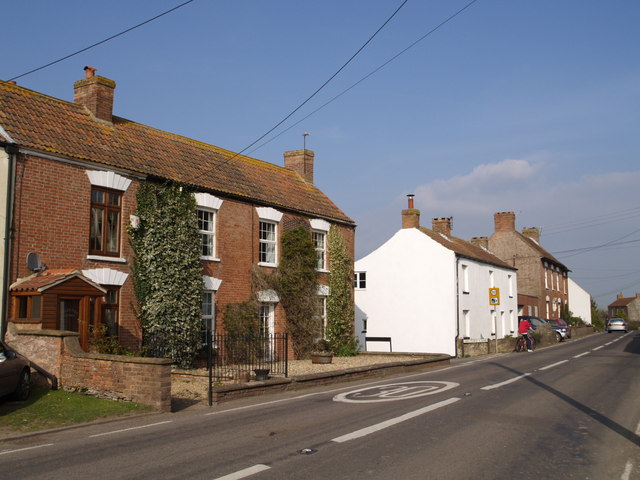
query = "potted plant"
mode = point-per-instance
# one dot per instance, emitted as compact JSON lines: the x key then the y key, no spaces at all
{"x":322,"y":352}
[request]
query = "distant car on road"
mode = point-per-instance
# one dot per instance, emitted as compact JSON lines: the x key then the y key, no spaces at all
{"x":560,"y":326}
{"x":15,"y":373}
{"x":616,"y":325}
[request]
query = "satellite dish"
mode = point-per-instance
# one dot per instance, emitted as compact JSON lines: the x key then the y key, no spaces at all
{"x":34,"y":263}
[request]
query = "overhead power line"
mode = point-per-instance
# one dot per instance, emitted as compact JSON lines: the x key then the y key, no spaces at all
{"x":447,"y":20}
{"x":590,"y":249}
{"x":101,"y":41}
{"x":323,"y":85}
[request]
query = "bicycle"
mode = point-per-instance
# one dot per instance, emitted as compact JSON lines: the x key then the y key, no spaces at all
{"x":521,"y":343}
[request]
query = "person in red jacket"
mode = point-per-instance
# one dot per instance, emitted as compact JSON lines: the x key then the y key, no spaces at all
{"x":524,"y":327}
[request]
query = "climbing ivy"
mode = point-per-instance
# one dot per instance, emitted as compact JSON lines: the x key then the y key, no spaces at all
{"x":340,"y":310}
{"x":167,"y":272}
{"x":297,"y":286}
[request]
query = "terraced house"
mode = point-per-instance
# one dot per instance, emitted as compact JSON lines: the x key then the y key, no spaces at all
{"x":71,"y":171}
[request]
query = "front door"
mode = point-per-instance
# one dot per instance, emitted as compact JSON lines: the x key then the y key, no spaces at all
{"x":70,"y":315}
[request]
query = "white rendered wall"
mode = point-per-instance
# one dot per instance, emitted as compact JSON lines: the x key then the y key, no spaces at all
{"x":579,"y":302}
{"x":410,"y":295}
{"x":479,"y":319}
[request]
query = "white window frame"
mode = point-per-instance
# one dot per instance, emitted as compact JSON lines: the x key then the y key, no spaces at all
{"x":268,"y":216}
{"x":208,"y":234}
{"x":209,"y":204}
{"x":321,"y":249}
{"x":510,"y":280}
{"x":267,"y":247}
{"x":360,"y":278}
{"x":266,"y":317}
{"x":465,"y":278}
{"x":322,"y":313}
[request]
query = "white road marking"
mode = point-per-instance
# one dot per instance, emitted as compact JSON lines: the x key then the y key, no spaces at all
{"x":394,"y":391}
{"x":245,"y":473}
{"x":506,"y":382}
{"x":598,"y":348}
{"x":581,"y":354}
{"x":553,"y":365}
{"x":608,"y":343}
{"x":393,"y":421}
{"x":26,"y":448}
{"x":626,"y":475}
{"x":129,"y":429}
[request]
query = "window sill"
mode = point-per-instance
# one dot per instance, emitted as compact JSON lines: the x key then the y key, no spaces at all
{"x":264,"y":264}
{"x":322,"y":270}
{"x":210,"y":259}
{"x":100,"y":258}
{"x":466,"y":292}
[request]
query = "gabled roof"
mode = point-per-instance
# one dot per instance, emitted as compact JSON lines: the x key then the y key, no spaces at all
{"x":541,"y":251}
{"x":49,"y":125}
{"x":622,"y":302}
{"x":43,"y":281}
{"x":465,"y":249}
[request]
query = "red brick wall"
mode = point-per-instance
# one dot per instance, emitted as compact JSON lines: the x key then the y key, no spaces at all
{"x":52,"y":219}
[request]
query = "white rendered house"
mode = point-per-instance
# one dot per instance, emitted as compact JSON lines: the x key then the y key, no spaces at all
{"x":425,"y":291}
{"x":579,"y":302}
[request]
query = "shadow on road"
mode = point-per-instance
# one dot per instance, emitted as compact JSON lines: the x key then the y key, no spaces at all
{"x":633,"y":347}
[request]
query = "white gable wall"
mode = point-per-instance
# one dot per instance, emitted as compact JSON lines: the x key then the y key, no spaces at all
{"x":410,"y":295}
{"x":579,"y":302}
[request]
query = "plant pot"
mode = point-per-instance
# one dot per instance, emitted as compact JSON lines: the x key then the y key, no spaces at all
{"x":322,"y":357}
{"x":262,"y":373}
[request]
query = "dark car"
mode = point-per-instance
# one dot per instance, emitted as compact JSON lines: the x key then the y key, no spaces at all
{"x":560,"y":326}
{"x":15,"y":373}
{"x":617,"y":324}
{"x":534,"y":321}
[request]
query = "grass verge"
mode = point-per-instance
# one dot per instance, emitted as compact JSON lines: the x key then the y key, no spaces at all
{"x":52,"y":409}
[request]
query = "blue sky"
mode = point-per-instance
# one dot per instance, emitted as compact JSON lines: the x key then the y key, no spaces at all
{"x":514,"y":105}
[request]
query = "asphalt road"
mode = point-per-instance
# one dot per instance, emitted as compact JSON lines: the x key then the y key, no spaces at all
{"x":568,"y":411}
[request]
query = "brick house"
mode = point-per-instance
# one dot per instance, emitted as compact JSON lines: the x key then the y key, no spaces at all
{"x":72,"y":170}
{"x":629,"y":305}
{"x":542,"y":279}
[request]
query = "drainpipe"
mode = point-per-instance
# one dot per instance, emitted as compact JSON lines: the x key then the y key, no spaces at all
{"x":458,"y":311}
{"x":12,"y":151}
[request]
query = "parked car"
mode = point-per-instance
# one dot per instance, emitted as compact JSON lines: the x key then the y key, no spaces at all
{"x":616,"y":325}
{"x":534,"y":321}
{"x":560,"y":326}
{"x":15,"y":373}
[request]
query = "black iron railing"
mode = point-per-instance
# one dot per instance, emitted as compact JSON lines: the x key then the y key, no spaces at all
{"x":236,"y":356}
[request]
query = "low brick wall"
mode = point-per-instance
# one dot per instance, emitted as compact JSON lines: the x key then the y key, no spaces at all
{"x":578,"y":332}
{"x":226,"y":393}
{"x":57,"y":354}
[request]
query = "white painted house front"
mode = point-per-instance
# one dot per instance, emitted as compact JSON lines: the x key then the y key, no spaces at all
{"x":424,"y":289}
{"x":579,"y":302}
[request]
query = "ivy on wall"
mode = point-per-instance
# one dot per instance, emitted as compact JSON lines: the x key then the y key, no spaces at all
{"x":167,"y":272}
{"x":340,"y":309}
{"x":297,"y":286}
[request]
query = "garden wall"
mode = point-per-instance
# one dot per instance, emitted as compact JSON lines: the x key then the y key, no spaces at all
{"x":58,"y":356}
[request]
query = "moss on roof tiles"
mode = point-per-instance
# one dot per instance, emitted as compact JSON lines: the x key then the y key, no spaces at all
{"x":48,"y":124}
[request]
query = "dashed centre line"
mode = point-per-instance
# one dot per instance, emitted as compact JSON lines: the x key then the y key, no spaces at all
{"x":129,"y":429}
{"x":581,"y":354}
{"x":506,"y":382}
{"x":26,"y":448}
{"x":393,"y":421}
{"x":245,"y":473}
{"x":553,"y":365}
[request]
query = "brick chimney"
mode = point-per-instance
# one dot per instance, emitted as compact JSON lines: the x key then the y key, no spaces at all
{"x":504,"y":221}
{"x":95,"y":93}
{"x":441,"y":225}
{"x":533,"y":233}
{"x":410,"y":216}
{"x":619,"y":296}
{"x":300,"y":161}
{"x":481,"y":242}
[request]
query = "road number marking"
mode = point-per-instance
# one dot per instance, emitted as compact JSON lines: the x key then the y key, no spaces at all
{"x":394,"y":391}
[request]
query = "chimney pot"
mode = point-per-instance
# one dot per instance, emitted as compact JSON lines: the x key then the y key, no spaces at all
{"x":410,"y":200}
{"x":89,"y":71}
